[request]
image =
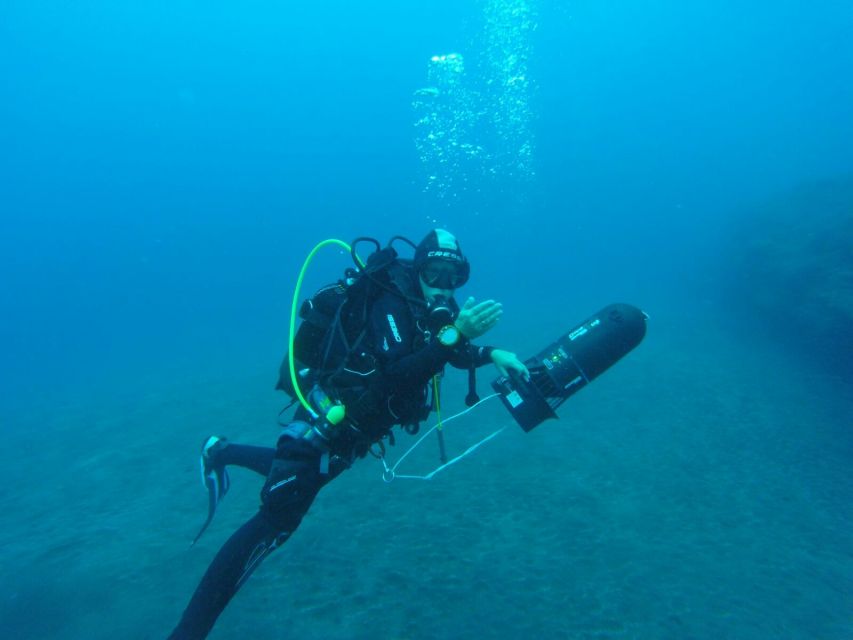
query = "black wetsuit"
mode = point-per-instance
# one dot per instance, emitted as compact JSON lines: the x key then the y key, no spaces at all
{"x":296,"y":470}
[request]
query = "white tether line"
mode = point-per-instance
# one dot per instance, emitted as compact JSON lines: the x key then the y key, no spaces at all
{"x":390,"y":473}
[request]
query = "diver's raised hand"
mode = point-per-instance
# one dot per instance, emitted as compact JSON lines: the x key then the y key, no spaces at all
{"x":475,"y":318}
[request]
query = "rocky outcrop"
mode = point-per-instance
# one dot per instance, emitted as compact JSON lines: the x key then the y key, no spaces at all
{"x":794,"y":269}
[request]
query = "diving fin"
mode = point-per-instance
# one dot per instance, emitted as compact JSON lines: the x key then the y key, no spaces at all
{"x":214,"y":478}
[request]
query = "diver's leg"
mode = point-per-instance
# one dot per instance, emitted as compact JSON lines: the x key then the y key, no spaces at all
{"x":232,"y":565}
{"x":220,"y":453}
{"x":258,"y":459}
{"x":217,"y":453}
{"x":294,"y":480}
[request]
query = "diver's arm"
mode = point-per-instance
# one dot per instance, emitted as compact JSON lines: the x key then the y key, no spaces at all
{"x":469,"y":355}
{"x":505,"y":361}
{"x":415,"y":370}
{"x":393,"y":330}
{"x":476,"y":319}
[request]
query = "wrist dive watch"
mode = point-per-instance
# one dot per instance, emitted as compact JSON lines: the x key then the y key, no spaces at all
{"x":448,"y":335}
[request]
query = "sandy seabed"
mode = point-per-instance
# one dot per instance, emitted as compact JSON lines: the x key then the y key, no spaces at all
{"x":700,"y":489}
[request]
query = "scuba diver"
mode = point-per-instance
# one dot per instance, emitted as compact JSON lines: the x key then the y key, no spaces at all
{"x":366,"y":353}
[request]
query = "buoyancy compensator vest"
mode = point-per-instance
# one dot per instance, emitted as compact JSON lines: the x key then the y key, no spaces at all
{"x":330,"y":349}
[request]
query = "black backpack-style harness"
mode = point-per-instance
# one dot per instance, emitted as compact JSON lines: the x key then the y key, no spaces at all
{"x":328,"y":347}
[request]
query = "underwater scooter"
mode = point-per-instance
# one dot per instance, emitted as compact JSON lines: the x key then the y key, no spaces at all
{"x":566,"y":366}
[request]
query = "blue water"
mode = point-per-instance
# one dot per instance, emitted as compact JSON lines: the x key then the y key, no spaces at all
{"x":166,"y":167}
